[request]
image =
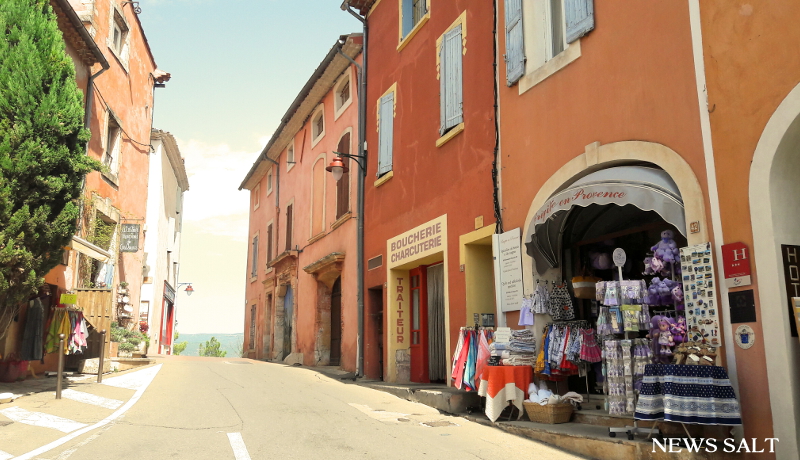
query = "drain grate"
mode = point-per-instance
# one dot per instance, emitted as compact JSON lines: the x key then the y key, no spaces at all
{"x":439,"y":424}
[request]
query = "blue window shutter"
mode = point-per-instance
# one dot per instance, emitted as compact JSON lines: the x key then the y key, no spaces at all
{"x":579,"y":18}
{"x":408,"y":16}
{"x":386,"y":134}
{"x":450,"y":80}
{"x":515,"y":48}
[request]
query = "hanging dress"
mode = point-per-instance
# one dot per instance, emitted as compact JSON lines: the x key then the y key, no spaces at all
{"x":590,"y":351}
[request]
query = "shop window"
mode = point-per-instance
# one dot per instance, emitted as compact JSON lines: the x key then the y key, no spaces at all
{"x":450,"y":79}
{"x":386,"y":113}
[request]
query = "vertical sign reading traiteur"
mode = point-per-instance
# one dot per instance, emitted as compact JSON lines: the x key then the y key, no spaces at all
{"x":129,"y":242}
{"x":508,"y":270}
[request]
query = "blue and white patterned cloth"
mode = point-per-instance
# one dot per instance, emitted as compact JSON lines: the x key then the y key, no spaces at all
{"x":688,"y":394}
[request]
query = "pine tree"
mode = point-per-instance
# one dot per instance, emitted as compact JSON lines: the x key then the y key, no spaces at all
{"x":211,"y":348}
{"x":42,"y":160}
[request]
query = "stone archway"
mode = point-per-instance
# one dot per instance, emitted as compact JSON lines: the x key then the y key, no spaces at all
{"x":775,"y":219}
{"x":597,"y":157}
{"x":326,"y":271}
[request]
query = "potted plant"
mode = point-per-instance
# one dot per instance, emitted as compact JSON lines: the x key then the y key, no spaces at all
{"x":126,"y":349}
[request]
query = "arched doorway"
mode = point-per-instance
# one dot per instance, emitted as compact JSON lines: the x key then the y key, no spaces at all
{"x":775,"y":219}
{"x":336,"y":322}
{"x":288,"y":316}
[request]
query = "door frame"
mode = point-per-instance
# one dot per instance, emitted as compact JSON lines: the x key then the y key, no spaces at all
{"x":419,"y":349}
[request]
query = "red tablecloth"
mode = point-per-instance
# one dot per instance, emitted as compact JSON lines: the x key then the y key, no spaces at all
{"x":501,"y":384}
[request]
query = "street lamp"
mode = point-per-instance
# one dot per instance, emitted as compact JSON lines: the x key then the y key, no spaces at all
{"x":189,"y":290}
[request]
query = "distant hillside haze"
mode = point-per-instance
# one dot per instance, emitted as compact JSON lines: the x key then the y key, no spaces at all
{"x":232,"y":343}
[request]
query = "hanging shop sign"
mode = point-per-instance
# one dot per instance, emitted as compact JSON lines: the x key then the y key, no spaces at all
{"x":745,"y":336}
{"x":791,"y":273}
{"x":69,"y":299}
{"x":508,"y":270}
{"x":130,"y":238}
{"x":736,"y":264}
{"x":699,"y":286}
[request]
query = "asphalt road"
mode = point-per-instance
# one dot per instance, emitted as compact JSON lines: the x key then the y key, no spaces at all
{"x":217,"y":408}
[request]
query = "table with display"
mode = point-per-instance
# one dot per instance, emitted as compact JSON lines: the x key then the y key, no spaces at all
{"x":501,"y":384}
{"x":687,"y":394}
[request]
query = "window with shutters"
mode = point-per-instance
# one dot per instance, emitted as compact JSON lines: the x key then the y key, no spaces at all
{"x":343,"y":184}
{"x":290,"y":156}
{"x":269,"y":181}
{"x":256,"y":196}
{"x":270,"y":235}
{"x":450,"y":56}
{"x":289,"y":224}
{"x":542,"y":37}
{"x":413,"y":14}
{"x":386,"y":112}
{"x":113,"y":148}
{"x":254,"y":258}
{"x":342,"y":95}
{"x":318,"y":125}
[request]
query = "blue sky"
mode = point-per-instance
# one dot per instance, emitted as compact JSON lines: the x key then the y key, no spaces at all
{"x":236,"y":66}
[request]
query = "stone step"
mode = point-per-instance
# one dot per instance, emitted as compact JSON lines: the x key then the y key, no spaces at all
{"x":441,"y":397}
{"x":593,"y":441}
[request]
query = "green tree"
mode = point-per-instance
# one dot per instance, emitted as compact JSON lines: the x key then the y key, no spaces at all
{"x":42,"y":160}
{"x":211,"y":348}
{"x":178,"y":348}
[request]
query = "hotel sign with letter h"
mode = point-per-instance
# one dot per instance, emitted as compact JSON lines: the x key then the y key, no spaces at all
{"x":736,"y":262}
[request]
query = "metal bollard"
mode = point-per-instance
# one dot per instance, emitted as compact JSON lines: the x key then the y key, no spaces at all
{"x":102,"y":355}
{"x":60,"y":375}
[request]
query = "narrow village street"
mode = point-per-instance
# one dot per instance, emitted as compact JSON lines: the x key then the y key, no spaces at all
{"x":232,"y":408}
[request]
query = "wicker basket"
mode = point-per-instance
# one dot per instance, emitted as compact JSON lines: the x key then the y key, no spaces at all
{"x":549,"y":413}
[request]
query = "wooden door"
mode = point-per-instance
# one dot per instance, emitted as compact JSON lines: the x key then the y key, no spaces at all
{"x":336,"y":323}
{"x":419,"y":326}
{"x":288,"y":310}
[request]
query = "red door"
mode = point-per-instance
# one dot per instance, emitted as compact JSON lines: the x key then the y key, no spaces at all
{"x":419,"y":326}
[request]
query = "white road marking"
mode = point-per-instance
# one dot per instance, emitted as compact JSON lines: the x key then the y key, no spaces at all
{"x":237,"y":444}
{"x":5,"y":455}
{"x":134,"y":380}
{"x":151,"y":372}
{"x":41,"y":419}
{"x":381,"y":415}
{"x":91,"y":399}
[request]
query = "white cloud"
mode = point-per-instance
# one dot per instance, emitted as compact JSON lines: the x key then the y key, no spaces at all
{"x":214,"y":202}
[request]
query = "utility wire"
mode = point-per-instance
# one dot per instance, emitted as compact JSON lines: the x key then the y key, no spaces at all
{"x":152,"y":149}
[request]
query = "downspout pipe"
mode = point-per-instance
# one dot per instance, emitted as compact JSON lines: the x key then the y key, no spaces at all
{"x":362,"y":152}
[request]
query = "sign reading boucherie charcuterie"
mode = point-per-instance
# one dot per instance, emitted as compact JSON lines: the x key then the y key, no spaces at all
{"x":129,"y":241}
{"x":420,"y":241}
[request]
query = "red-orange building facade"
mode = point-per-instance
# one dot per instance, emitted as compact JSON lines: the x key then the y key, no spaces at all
{"x":301,"y":296}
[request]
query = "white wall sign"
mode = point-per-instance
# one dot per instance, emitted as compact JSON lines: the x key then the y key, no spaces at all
{"x":508,"y":270}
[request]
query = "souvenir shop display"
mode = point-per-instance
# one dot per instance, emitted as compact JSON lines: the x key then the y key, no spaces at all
{"x":702,"y":315}
{"x":561,"y":307}
{"x":471,"y":356}
{"x":72,"y":324}
{"x":540,"y":299}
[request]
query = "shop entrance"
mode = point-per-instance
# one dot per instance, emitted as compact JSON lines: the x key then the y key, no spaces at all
{"x":336,"y":322}
{"x":288,"y":309}
{"x":428,"y":362}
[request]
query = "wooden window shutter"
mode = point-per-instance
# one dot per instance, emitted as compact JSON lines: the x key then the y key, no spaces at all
{"x":579,"y":18}
{"x":515,"y":47}
{"x":343,"y":185}
{"x":288,"y":227}
{"x":386,"y":134}
{"x":254,"y":263}
{"x":450,"y":80}
{"x":269,"y":243}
